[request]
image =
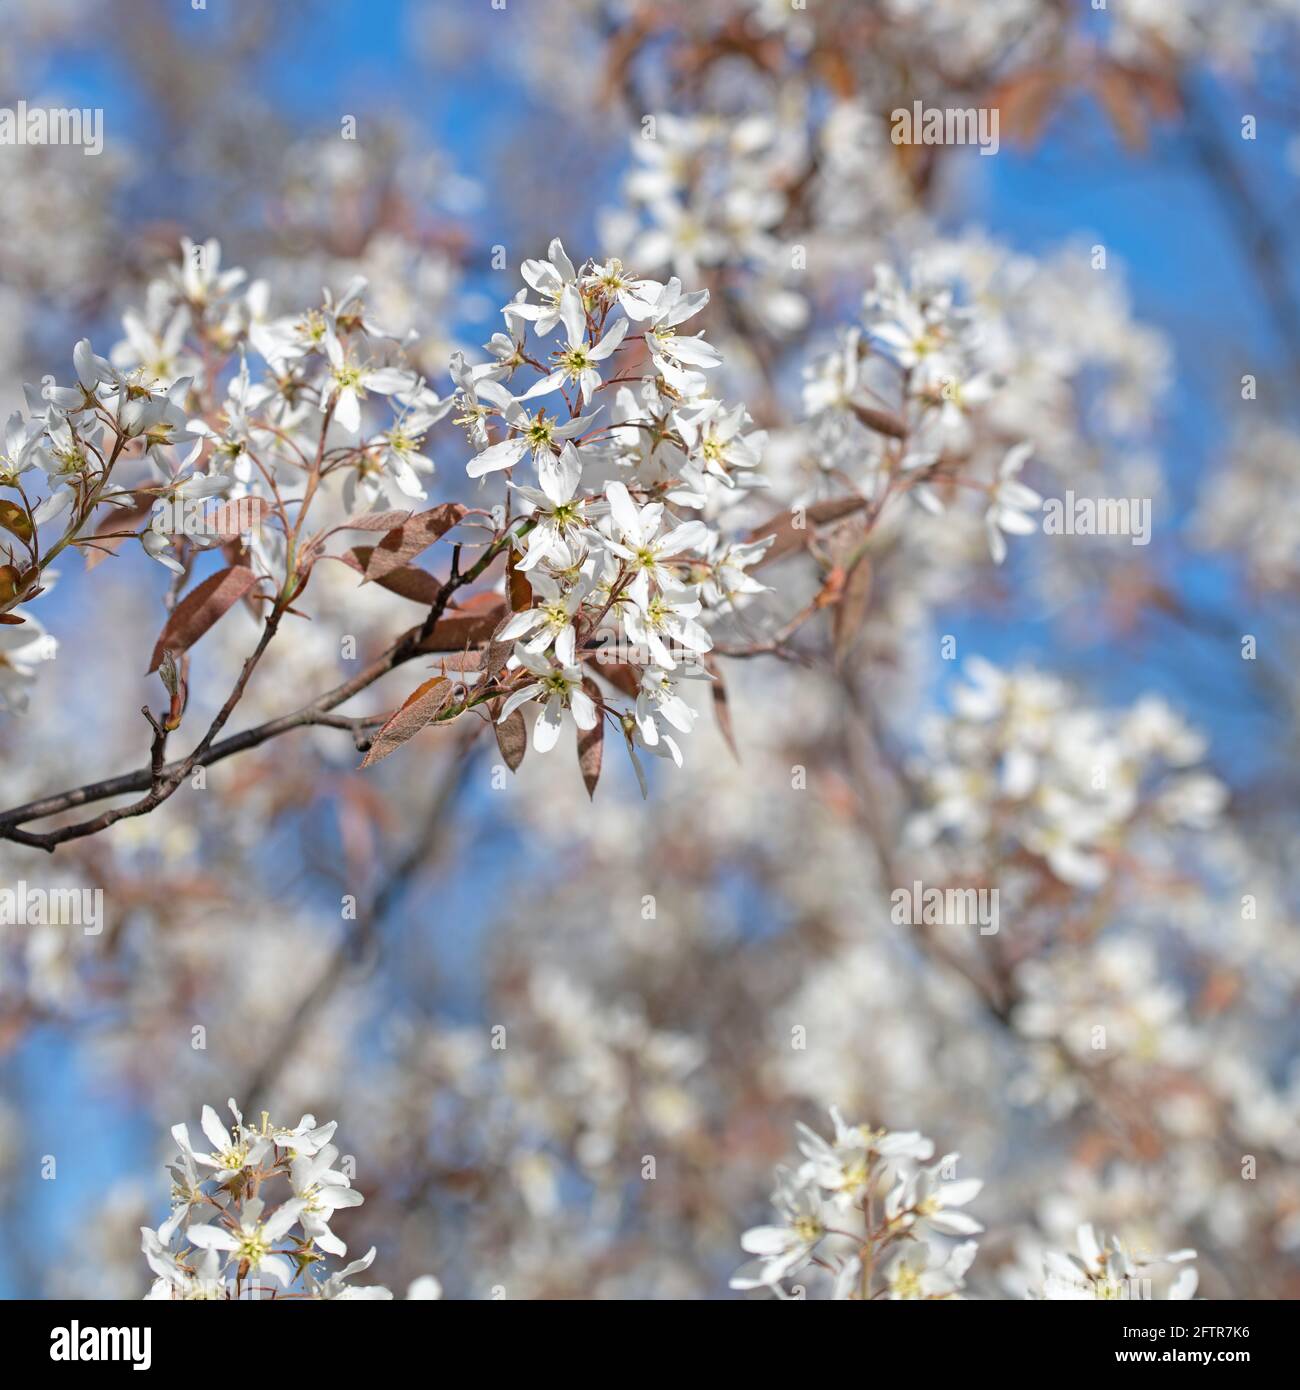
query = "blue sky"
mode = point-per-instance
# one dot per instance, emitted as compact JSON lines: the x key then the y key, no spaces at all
{"x":1153,"y":213}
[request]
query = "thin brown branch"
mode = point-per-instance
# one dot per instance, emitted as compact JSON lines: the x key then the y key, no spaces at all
{"x":210,"y":751}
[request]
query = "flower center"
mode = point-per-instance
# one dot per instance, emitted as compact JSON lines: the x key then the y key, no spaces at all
{"x":538,"y":433}
{"x":253,"y":1247}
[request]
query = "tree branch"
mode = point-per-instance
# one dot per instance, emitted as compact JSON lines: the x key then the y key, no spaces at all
{"x":159,"y":784}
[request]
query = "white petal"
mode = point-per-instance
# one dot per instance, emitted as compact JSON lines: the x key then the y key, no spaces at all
{"x":546,"y":731}
{"x":613,"y":337}
{"x":504,"y":455}
{"x":583,"y":707}
{"x":624,"y":512}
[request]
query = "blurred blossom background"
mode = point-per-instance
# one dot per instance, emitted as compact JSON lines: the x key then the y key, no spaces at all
{"x":687,"y":976}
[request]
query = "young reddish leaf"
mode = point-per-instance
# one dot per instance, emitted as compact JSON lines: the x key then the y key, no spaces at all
{"x":1026,"y":100}
{"x":406,"y":581}
{"x":200,"y":608}
{"x":10,"y":580}
{"x":461,"y":661}
{"x":230,"y":519}
{"x":512,"y":738}
{"x":792,"y":529}
{"x":15,"y":519}
{"x":403,"y":543}
{"x":1118,"y":94}
{"x":496,"y":653}
{"x":882,"y":421}
{"x":1161,"y":91}
{"x":851,"y":610}
{"x":421,"y":706}
{"x":591,"y":742}
{"x":517,"y":586}
{"x":373,"y":521}
{"x":12,"y":619}
{"x":468,"y":626}
{"x":622,"y":677}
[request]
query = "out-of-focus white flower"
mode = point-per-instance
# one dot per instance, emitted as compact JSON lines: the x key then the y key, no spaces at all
{"x":784,"y":1249}
{"x":920,"y":1271}
{"x":1103,"y":1271}
{"x":923,"y":1199}
{"x":1010,"y":501}
{"x":855,"y":1235}
{"x":24,"y":647}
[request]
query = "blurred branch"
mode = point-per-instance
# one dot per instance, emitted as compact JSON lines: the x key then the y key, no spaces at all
{"x":358,"y":948}
{"x":160,"y":779}
{"x":408,"y":646}
{"x":1263,"y":248}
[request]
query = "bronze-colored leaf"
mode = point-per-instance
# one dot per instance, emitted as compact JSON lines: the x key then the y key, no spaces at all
{"x":424,"y":704}
{"x":517,"y":586}
{"x":200,"y":608}
{"x":792,"y":529}
{"x":374,"y":521}
{"x":1162,"y":93}
{"x":851,"y":610}
{"x":512,"y":739}
{"x":407,"y":581}
{"x":231,"y":519}
{"x":621,"y":676}
{"x":1026,"y":100}
{"x":591,"y":742}
{"x":469,"y":626}
{"x":882,"y":421}
{"x":461,"y":661}
{"x":10,"y":582}
{"x":1120,"y":100}
{"x":416,"y":534}
{"x":15,"y":519}
{"x":496,"y":654}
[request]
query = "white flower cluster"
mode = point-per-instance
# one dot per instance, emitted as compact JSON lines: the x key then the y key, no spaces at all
{"x":963,"y":367}
{"x":1107,"y":1270}
{"x":1018,"y":765}
{"x":871,"y":1216}
{"x":1114,"y":985}
{"x":23,"y":649}
{"x":892,"y":406}
{"x":142,"y":406}
{"x":864,"y":1207}
{"x":1248,"y":508}
{"x":221,"y":1241}
{"x":616,"y":574}
{"x":710,"y":192}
